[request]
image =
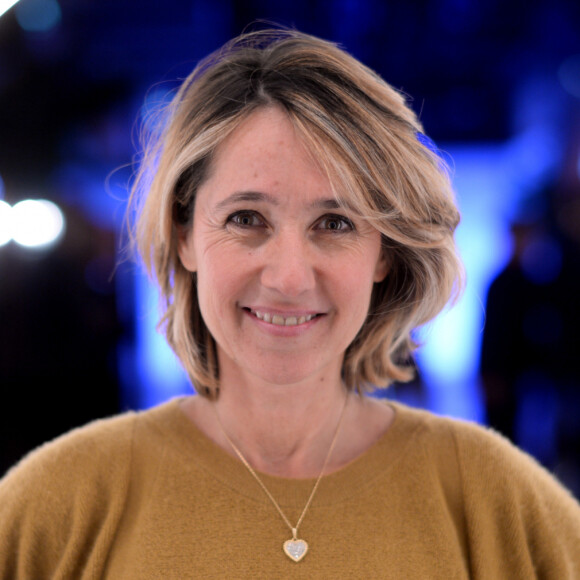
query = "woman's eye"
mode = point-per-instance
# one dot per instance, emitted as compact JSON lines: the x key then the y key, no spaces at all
{"x":335,"y":223}
{"x":245,"y":219}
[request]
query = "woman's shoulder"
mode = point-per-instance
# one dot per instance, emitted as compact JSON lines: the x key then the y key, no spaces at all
{"x":68,"y":495}
{"x":478,"y":449}
{"x":82,"y":446}
{"x":102,"y":443}
{"x":469,"y":438}
{"x":71,"y":471}
{"x":510,"y":504}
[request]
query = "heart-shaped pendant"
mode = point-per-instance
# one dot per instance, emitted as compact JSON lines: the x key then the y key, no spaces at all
{"x":295,"y":549}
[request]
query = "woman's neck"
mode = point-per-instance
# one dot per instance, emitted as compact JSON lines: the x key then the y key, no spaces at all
{"x":288,"y":430}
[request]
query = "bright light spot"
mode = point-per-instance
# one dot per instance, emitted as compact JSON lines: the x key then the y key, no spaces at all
{"x":38,"y":15}
{"x":5,"y":223}
{"x":6,"y":5}
{"x":36,"y":222}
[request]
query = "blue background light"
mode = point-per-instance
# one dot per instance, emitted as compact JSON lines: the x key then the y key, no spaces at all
{"x":38,"y":15}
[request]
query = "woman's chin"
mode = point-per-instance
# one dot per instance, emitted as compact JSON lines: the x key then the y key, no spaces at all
{"x":282,"y":372}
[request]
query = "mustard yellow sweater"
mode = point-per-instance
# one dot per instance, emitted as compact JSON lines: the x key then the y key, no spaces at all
{"x":146,"y":495}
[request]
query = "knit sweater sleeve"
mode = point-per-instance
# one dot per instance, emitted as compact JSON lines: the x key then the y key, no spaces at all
{"x":521,"y":523}
{"x":60,"y":506}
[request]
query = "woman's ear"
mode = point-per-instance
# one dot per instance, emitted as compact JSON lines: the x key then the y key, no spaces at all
{"x":383,"y":266}
{"x":185,"y":247}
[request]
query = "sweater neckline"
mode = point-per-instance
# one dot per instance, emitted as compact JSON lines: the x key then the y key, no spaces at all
{"x":198,"y":451}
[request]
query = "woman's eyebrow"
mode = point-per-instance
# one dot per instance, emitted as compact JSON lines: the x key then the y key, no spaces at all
{"x":258,"y":196}
{"x":330,"y":203}
{"x":247,"y":196}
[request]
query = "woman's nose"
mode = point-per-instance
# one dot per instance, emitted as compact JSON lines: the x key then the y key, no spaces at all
{"x":289,"y":265}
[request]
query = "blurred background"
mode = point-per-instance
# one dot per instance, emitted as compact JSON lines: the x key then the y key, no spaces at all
{"x":497,"y":87}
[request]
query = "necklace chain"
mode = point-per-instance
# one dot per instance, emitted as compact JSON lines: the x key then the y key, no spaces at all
{"x":294,"y":529}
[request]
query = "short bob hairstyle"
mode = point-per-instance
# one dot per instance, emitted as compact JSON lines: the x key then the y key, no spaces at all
{"x":371,"y":147}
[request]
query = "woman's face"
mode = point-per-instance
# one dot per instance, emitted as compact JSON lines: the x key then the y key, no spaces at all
{"x":284,"y":274}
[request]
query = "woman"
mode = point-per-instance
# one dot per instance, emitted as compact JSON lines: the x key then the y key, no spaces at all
{"x":299,"y":229}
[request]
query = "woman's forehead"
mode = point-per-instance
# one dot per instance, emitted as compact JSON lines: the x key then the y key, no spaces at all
{"x":265,"y":154}
{"x":271,"y":148}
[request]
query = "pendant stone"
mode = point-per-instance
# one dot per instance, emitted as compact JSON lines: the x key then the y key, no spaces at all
{"x":295,"y":549}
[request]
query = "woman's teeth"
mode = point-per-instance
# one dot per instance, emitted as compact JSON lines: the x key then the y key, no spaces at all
{"x":281,"y":320}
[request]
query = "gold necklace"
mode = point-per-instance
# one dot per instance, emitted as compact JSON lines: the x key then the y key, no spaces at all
{"x":295,"y":548}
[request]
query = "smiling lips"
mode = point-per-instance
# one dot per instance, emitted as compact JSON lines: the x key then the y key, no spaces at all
{"x":279,"y":320}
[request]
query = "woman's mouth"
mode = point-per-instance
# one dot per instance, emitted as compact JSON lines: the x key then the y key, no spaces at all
{"x":279,"y":320}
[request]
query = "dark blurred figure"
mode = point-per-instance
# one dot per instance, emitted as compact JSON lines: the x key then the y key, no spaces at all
{"x":58,"y":331}
{"x":529,"y":362}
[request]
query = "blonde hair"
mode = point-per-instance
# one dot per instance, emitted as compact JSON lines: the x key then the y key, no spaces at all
{"x":371,"y":147}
